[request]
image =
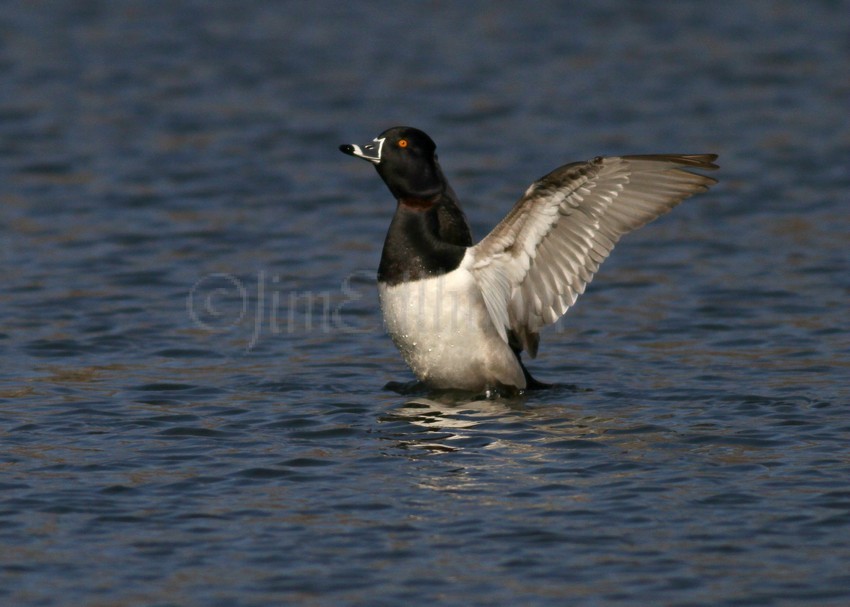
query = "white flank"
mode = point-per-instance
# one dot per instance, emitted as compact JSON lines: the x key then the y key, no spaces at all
{"x":445,"y":333}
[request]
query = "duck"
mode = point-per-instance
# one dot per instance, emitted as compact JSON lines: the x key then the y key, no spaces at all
{"x":462,"y":313}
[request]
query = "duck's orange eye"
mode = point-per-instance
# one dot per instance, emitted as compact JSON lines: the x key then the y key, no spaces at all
{"x":402,"y":143}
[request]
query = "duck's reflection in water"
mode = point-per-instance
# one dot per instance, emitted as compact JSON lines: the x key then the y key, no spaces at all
{"x":437,"y":426}
{"x":445,"y":423}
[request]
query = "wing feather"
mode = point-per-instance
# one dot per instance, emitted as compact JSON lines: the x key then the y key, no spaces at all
{"x":534,"y":265}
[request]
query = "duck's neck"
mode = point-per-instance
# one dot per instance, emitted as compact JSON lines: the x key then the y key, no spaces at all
{"x":427,"y":237}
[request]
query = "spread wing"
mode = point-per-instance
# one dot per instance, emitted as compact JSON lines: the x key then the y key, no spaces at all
{"x":541,"y":256}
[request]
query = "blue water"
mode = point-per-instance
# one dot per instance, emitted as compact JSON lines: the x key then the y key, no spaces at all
{"x":192,"y":401}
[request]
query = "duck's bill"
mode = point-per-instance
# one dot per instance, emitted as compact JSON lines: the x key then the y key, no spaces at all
{"x":370,"y":151}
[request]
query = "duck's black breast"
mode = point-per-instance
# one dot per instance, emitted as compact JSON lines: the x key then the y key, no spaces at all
{"x":426,"y":238}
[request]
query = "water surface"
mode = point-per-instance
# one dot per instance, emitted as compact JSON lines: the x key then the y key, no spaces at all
{"x":192,"y":402}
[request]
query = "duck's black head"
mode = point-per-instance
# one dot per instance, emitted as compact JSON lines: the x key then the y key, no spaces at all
{"x":405,"y":160}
